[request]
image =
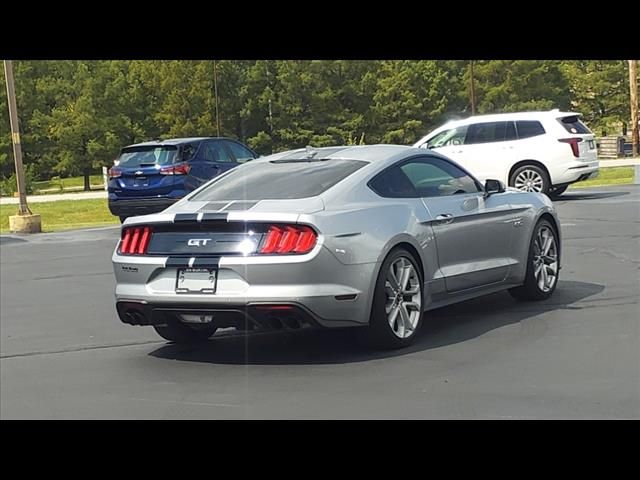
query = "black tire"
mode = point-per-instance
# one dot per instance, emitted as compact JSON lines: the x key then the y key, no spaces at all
{"x":546,"y":184}
{"x":379,"y":334}
{"x":177,"y":332}
{"x":556,"y":192}
{"x":530,"y":289}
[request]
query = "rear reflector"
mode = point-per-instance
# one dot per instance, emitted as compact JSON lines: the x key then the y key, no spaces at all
{"x":289,"y":239}
{"x":573,"y":142}
{"x":135,"y":240}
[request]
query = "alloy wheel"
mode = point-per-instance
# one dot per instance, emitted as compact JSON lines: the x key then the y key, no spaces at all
{"x":529,"y":181}
{"x":545,"y":259}
{"x":404,"y":297}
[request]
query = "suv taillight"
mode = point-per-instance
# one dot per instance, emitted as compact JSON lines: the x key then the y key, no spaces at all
{"x":180,"y":169}
{"x":135,"y":240}
{"x":287,"y":239}
{"x":573,"y":142}
{"x":114,"y":172}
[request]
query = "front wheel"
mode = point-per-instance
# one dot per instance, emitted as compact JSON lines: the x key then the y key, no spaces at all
{"x":543,"y":266}
{"x":530,"y":178}
{"x":180,"y":333}
{"x":396,"y":313}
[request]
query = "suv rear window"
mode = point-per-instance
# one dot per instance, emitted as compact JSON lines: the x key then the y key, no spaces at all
{"x":278,"y":180}
{"x":147,"y":156}
{"x":573,"y":125}
{"x":529,"y":128}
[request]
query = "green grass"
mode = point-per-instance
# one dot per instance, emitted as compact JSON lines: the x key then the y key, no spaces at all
{"x":609,"y":176}
{"x":67,"y":183}
{"x":65,"y":214}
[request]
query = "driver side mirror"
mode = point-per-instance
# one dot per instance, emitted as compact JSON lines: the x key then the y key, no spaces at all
{"x":493,"y":186}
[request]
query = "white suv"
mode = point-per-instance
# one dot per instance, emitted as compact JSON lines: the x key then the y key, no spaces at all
{"x":531,"y":151}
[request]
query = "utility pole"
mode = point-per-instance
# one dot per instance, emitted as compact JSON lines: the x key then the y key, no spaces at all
{"x":215,"y":88}
{"x":15,"y":137}
{"x":633,"y":90}
{"x":473,"y":91}
{"x":24,"y":221}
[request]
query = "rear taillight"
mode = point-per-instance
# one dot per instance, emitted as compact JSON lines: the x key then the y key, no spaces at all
{"x":135,"y":240}
{"x":283,"y":239}
{"x":115,"y":172}
{"x":573,"y":143}
{"x":181,"y":169}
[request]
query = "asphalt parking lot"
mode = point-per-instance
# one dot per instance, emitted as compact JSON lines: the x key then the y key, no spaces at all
{"x":65,"y":355}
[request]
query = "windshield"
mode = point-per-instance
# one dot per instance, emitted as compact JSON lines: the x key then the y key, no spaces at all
{"x":147,"y":156}
{"x":278,"y":179}
{"x":452,"y":136}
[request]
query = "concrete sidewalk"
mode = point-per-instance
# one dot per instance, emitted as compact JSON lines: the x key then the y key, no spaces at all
{"x":621,"y":162}
{"x":54,"y":198}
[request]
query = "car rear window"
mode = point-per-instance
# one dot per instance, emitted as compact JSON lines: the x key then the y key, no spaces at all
{"x":278,"y":180}
{"x":147,"y":156}
{"x":529,"y":128}
{"x":573,"y":124}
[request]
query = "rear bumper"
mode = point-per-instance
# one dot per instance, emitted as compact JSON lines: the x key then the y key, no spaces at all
{"x":139,"y":206}
{"x":252,"y":316}
{"x":577,"y":171}
{"x":331,"y":293}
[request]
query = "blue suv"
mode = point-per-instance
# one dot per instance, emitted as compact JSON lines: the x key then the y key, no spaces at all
{"x":149,"y":177}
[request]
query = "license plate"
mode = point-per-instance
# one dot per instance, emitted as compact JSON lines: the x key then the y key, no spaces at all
{"x":196,"y":280}
{"x":141,"y":182}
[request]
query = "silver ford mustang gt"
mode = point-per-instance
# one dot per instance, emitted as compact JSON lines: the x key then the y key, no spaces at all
{"x":367,"y":236}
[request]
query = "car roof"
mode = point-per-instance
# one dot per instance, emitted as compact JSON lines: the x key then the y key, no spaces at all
{"x":497,"y":117}
{"x":176,"y":141}
{"x":366,"y":153}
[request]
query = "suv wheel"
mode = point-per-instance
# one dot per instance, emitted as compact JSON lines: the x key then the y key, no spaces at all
{"x":530,"y":178}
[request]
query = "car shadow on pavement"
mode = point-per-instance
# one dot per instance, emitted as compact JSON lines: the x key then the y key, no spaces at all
{"x":445,"y":326}
{"x":569,"y":196}
{"x":6,"y":240}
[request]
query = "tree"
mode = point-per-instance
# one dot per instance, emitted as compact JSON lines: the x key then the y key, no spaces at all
{"x":600,"y":91}
{"x":520,"y":85}
{"x":410,"y":98}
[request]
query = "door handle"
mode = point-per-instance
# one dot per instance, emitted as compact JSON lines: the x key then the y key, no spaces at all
{"x":445,"y":218}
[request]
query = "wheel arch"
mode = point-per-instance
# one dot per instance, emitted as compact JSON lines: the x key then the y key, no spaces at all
{"x":405,"y":242}
{"x":522,"y":163}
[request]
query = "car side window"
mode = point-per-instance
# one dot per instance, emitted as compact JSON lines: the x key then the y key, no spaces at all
{"x":241,"y":153}
{"x":188,"y":151}
{"x":527,"y":129}
{"x":423,"y":177}
{"x":215,"y":152}
{"x":453,"y":136}
{"x":393,"y":183}
{"x":486,"y":132}
{"x":435,"y":177}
